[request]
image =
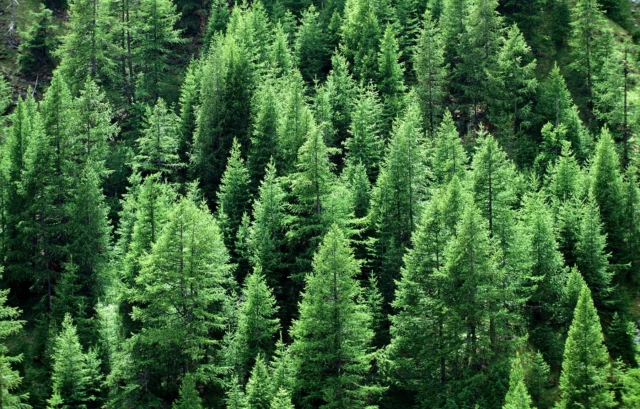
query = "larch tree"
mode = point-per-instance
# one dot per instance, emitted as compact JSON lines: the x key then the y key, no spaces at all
{"x":449,"y":156}
{"x":76,"y":375}
{"x":264,"y":135}
{"x":257,"y":323}
{"x":360,"y":38}
{"x":585,"y":368}
{"x":366,"y":141}
{"x":259,"y":389}
{"x":154,"y":35}
{"x":10,"y":378}
{"x":233,"y":198}
{"x":397,"y":197}
{"x":517,"y":397}
{"x":332,"y":363}
{"x":431,"y":73}
{"x":390,"y":78}
{"x":189,"y":396}
{"x":158,"y":145}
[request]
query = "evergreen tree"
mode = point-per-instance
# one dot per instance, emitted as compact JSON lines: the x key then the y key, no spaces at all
{"x":264,"y":138}
{"x":189,"y":100}
{"x":585,"y":368}
{"x":341,"y":90}
{"x":310,"y":50}
{"x":233,"y":198}
{"x":606,"y":190}
{"x":189,"y":396}
{"x":267,"y":235}
{"x":430,"y":72}
{"x":449,"y":157}
{"x":158,"y":145}
{"x":494,"y":179}
{"x":257,"y":325}
{"x":365,"y":144}
{"x":281,"y":400}
{"x":397,"y":197}
{"x":183,"y":283}
{"x":517,"y":83}
{"x":282,"y":368}
{"x":84,"y":49}
{"x":10,"y":378}
{"x":591,"y":257}
{"x":360,"y":38}
{"x":76,"y":375}
{"x":295,"y":122}
{"x":332,"y":363}
{"x":631,"y":382}
{"x":156,"y":36}
{"x":259,"y":390}
{"x":518,"y":396}
{"x":390,"y":78}
{"x":281,"y":59}
{"x":479,"y":49}
{"x":555,"y":105}
{"x":225,"y":100}
{"x":37,"y":43}
{"x":588,"y":42}
{"x":452,"y":25}
{"x":620,"y":339}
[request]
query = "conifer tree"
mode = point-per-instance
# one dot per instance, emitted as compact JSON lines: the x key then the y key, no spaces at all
{"x":431,"y":73}
{"x":189,"y":396}
{"x":555,"y":105}
{"x":606,"y":189}
{"x":310,"y":50}
{"x":155,"y":34}
{"x":158,"y":145}
{"x":479,"y":48}
{"x":188,"y":103}
{"x":451,"y":22}
{"x":365,"y":144}
{"x":397,"y":197}
{"x":585,"y":369}
{"x":233,"y":197}
{"x":518,"y":396}
{"x":331,"y":362}
{"x":515,"y":75}
{"x":267,"y":235}
{"x":280,"y":56}
{"x":418,"y":334}
{"x":187,"y":272}
{"x":341,"y":89}
{"x":360,"y":38}
{"x":620,"y":339}
{"x":225,"y":100}
{"x":282,"y":368}
{"x":94,"y":128}
{"x":591,"y":257}
{"x":257,"y":324}
{"x":631,"y":382}
{"x":311,"y":185}
{"x":390,"y":78}
{"x":494,"y":177}
{"x":281,"y":400}
{"x":264,"y":136}
{"x":76,"y":375}
{"x":588,"y":42}
{"x":259,"y":390}
{"x":37,"y":43}
{"x":631,"y":217}
{"x":5,"y":95}
{"x":10,"y":326}
{"x":84,"y":51}
{"x":295,"y":122}
{"x":449,"y":158}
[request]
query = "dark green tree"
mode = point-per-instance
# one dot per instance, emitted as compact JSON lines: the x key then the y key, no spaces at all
{"x":390,"y":80}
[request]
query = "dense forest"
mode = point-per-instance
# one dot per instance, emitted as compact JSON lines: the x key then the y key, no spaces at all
{"x":341,"y":204}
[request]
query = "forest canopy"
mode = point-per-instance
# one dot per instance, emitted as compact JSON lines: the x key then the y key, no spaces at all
{"x":339,"y":204}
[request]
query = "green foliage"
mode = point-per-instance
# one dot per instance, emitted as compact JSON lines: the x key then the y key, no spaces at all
{"x":10,"y":378}
{"x":586,"y":367}
{"x":158,"y":145}
{"x":259,"y":390}
{"x":310,"y":50}
{"x":390,"y":78}
{"x":430,"y":72}
{"x":449,"y":156}
{"x":365,"y":144}
{"x":76,"y":374}
{"x":37,"y":43}
{"x":396,"y":200}
{"x":189,"y":396}
{"x":331,"y":362}
{"x":518,"y":396}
